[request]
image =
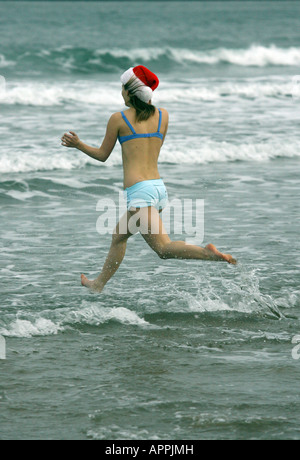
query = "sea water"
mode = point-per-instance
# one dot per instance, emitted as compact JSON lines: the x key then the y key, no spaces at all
{"x":171,"y":349}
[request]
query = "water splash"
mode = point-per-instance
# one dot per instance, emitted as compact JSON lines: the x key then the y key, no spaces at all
{"x":241,"y":294}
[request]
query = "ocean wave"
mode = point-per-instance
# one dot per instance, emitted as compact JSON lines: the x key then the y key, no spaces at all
{"x":55,"y":321}
{"x":238,"y":295}
{"x":94,"y":93}
{"x":5,"y":63}
{"x":27,"y":328}
{"x":255,"y":55}
{"x":70,"y":59}
{"x":34,"y":161}
{"x":179,"y":151}
{"x":224,"y":152}
{"x":48,"y":94}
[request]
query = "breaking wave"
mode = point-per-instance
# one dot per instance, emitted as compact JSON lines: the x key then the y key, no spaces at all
{"x":176,"y":152}
{"x":53,"y":322}
{"x":68,"y":59}
{"x":94,"y":93}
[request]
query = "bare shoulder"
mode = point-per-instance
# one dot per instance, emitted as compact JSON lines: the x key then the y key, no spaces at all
{"x":165,"y":115}
{"x":164,"y":111}
{"x":115,"y":119}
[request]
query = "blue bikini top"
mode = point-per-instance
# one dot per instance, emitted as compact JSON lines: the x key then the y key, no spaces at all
{"x":135,"y":135}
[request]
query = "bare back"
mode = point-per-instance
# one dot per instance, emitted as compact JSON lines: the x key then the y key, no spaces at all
{"x":140,"y":156}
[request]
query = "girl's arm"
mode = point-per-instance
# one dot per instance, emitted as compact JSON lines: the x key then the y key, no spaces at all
{"x":102,"y":153}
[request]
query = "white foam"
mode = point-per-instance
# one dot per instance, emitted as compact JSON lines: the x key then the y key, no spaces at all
{"x":94,"y":93}
{"x":241,"y":294}
{"x":56,"y":94}
{"x":2,"y":87}
{"x":195,"y":152}
{"x":210,"y":90}
{"x":54,"y":321}
{"x":34,"y":161}
{"x":255,"y":55}
{"x":22,"y":196}
{"x":181,"y":150}
{"x":5,"y":63}
{"x":66,"y":182}
{"x":27,"y":328}
{"x":95,"y":315}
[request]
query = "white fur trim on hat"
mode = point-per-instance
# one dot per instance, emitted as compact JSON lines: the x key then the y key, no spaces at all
{"x":144,"y":93}
{"x":127,"y":75}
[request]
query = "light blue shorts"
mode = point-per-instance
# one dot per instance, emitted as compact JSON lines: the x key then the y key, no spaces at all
{"x":146,"y":193}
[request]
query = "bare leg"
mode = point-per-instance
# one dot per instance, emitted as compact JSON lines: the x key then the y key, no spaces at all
{"x":111,"y":265}
{"x":182,"y":250}
{"x":156,"y":236}
{"x":154,"y":233}
{"x":114,"y":258}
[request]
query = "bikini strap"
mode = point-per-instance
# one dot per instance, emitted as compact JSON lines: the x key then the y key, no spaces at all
{"x":159,"y":123}
{"x":127,"y":122}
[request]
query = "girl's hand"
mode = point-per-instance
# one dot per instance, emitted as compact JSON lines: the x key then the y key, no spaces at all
{"x":70,"y":140}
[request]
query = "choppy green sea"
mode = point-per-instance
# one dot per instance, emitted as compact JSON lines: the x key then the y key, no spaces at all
{"x":170,"y":349}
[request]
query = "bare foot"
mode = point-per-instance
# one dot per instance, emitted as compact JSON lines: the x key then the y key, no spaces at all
{"x":90,"y":284}
{"x":217,"y":255}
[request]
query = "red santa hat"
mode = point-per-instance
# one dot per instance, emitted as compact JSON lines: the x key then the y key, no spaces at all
{"x":144,"y":82}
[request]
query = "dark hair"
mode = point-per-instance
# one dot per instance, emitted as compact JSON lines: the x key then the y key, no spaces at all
{"x":143,"y":110}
